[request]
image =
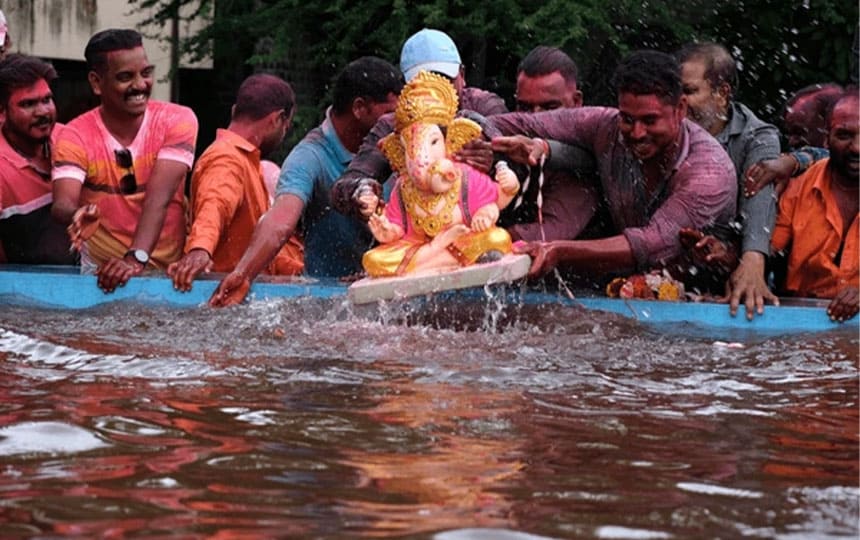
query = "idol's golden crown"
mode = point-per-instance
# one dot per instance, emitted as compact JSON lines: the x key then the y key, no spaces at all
{"x":428,"y":98}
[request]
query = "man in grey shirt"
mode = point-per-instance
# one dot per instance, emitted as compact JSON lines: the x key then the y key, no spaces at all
{"x":709,"y":77}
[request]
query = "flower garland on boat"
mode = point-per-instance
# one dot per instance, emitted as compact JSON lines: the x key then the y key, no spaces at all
{"x":654,"y":285}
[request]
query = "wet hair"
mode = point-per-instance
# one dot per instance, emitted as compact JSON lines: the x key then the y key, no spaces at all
{"x":720,"y":67}
{"x":849,"y":92}
{"x":20,"y":71}
{"x":262,"y":94}
{"x":821,"y":98}
{"x":112,"y":39}
{"x":543,"y":60}
{"x":822,"y":92}
{"x":649,"y":72}
{"x":367,"y":77}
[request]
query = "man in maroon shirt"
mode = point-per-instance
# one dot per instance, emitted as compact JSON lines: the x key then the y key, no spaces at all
{"x":658,"y":171}
{"x":547,"y":80}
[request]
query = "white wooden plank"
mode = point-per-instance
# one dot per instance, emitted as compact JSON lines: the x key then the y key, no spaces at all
{"x":508,"y":268}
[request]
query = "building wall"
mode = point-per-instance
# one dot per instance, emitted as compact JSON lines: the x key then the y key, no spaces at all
{"x":60,"y":29}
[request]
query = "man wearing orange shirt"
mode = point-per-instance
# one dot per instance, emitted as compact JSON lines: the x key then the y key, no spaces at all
{"x":818,"y":219}
{"x":228,"y":191}
{"x":364,"y":90}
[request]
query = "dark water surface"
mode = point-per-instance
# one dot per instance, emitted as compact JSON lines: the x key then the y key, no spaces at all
{"x":303,"y":419}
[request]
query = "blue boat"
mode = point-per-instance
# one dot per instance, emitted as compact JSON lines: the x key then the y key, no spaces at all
{"x":66,"y":288}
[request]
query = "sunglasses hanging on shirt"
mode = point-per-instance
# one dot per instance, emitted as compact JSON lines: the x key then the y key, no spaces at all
{"x":128,"y":183}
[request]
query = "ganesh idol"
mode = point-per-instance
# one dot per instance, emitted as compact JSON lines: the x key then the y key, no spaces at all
{"x":441,"y":214}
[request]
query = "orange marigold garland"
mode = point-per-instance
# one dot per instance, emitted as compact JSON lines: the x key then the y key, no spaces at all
{"x":655,"y":285}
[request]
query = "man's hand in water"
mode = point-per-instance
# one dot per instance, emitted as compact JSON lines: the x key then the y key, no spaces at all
{"x":184,"y":271}
{"x":844,"y":305}
{"x":231,"y":291}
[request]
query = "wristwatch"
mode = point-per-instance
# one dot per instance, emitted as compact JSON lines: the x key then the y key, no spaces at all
{"x":139,"y":255}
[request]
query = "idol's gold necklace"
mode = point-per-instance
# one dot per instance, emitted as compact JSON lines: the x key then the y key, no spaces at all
{"x":423,"y":208}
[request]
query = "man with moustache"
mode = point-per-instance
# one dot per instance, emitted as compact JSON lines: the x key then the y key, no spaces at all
{"x":28,"y":235}
{"x":659,"y":172}
{"x":119,"y":169}
{"x":733,"y":260}
{"x":547,"y":79}
{"x":817,"y":223}
{"x":228,"y":191}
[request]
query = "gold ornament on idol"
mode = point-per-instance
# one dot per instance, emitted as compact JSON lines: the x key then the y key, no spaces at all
{"x":430,"y":99}
{"x":424,"y":209}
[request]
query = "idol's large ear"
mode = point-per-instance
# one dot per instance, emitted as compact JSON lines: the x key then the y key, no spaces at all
{"x":461,"y":131}
{"x":392,"y":147}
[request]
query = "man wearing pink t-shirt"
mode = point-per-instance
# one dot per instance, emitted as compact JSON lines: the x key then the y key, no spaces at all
{"x":119,"y":168}
{"x":28,"y":235}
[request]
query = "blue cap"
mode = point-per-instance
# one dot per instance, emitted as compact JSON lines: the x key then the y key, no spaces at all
{"x":429,"y":50}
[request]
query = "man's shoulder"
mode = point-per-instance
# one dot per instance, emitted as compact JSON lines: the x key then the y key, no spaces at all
{"x":221,"y":148}
{"x":700,"y":141}
{"x":166,"y":113}
{"x":159,"y":106}
{"x":811,"y":176}
{"x":313,"y":141}
{"x":744,"y":120}
{"x":313,"y":147}
{"x":55,"y":133}
{"x":704,"y":151}
{"x":82,"y":122}
{"x":10,"y":160}
{"x":79,"y":134}
{"x":482,"y":101}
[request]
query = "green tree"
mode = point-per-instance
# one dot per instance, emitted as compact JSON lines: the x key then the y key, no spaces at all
{"x":780,"y":46}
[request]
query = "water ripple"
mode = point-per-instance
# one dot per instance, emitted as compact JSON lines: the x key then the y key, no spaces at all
{"x":52,"y":438}
{"x":41,"y":354}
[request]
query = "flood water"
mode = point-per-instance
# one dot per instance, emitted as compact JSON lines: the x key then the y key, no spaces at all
{"x":304,"y":419}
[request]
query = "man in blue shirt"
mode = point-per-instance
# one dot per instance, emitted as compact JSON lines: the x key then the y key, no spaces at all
{"x":365,"y":90}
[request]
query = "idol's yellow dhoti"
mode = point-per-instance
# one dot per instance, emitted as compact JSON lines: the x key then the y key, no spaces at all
{"x":398,"y":258}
